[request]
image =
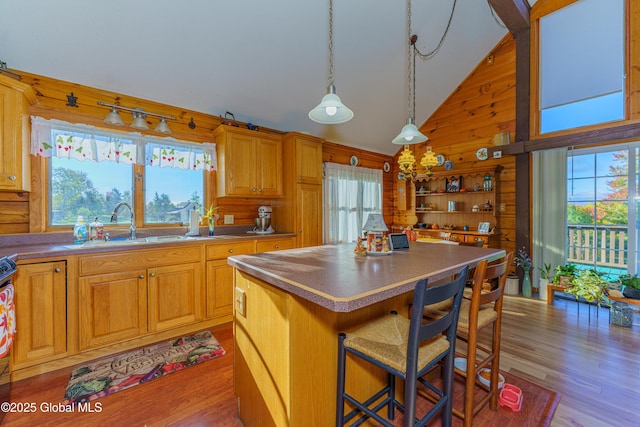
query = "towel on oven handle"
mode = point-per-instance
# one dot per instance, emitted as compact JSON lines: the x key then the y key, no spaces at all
{"x":7,"y":319}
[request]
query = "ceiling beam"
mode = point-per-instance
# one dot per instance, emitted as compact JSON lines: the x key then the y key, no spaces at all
{"x":514,"y":13}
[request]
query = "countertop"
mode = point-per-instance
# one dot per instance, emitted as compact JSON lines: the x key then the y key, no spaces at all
{"x":334,"y":278}
{"x":26,"y":247}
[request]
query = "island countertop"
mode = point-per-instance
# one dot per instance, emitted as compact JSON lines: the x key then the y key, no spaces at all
{"x":334,"y":278}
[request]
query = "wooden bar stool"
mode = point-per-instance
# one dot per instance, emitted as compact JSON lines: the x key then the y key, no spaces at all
{"x":408,"y":349}
{"x":483,"y":310}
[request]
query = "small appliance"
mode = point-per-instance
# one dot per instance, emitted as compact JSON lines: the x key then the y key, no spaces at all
{"x":263,"y":222}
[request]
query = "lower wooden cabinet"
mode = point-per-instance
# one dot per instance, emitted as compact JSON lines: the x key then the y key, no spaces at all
{"x":219,"y":289}
{"x":41,"y":313}
{"x":113,"y":307}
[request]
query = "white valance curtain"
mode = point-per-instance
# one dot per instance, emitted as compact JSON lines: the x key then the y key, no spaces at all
{"x":56,"y":138}
{"x":350,"y":194}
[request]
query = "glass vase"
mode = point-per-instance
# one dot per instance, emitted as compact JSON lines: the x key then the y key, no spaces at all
{"x":211,"y":227}
{"x":526,"y":283}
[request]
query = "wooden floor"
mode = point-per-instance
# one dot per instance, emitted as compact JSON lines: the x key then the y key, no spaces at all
{"x":594,"y":365}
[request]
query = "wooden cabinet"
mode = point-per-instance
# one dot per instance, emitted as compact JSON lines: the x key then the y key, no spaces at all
{"x":275,"y":245}
{"x":41,"y":313}
{"x":458,"y":198}
{"x":127,"y":294}
{"x":300,"y":209}
{"x":249,"y":163}
{"x":15,"y":134}
{"x":174,"y":296}
{"x":219,"y":283}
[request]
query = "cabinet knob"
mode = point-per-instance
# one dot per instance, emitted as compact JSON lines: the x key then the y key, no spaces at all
{"x":230,"y":251}
{"x":277,"y":246}
{"x":300,"y":231}
{"x":253,"y":190}
{"x":260,"y":190}
{"x":57,"y":270}
{"x":152,"y":274}
{"x":299,"y":178}
{"x":141,"y":276}
{"x":12,"y":177}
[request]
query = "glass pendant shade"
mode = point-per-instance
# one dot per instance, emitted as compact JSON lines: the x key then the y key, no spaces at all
{"x":331,"y":110}
{"x":409,"y":135}
{"x":139,"y":122}
{"x":163,"y":127}
{"x":113,"y":118}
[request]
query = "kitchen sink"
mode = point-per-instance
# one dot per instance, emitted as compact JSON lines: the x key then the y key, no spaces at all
{"x":125,"y":242}
{"x":169,"y":238}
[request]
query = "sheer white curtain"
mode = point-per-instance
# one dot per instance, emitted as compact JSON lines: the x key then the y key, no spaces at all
{"x":350,"y":194}
{"x":549,"y":209}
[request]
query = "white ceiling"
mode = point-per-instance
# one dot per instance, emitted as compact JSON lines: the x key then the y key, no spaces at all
{"x":264,"y":61}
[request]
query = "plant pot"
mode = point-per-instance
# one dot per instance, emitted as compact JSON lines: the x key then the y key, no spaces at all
{"x":512,"y":285}
{"x":543,"y":283}
{"x":632,"y":293}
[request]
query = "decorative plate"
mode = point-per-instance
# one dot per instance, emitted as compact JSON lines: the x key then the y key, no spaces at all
{"x":353,"y":161}
{"x":440,"y":158}
{"x":386,"y":167}
{"x":481,"y":154}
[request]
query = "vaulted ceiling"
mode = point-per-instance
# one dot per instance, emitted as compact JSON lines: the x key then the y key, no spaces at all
{"x":264,"y":61}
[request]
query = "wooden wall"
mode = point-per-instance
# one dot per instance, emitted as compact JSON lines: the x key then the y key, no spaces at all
{"x":480,"y":107}
{"x":25,"y":212}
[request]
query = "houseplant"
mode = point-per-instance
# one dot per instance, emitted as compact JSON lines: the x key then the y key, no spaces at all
{"x":631,"y":286}
{"x":523,"y":260}
{"x":588,"y":284}
{"x":545,"y":278}
{"x":564,"y":275}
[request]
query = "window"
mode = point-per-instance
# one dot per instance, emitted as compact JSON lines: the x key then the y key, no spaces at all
{"x":582,"y":51}
{"x":601,"y":214}
{"x":350,"y":195}
{"x":92,"y":170}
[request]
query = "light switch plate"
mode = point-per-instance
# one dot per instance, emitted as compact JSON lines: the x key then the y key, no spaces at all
{"x":228,"y":219}
{"x":241,"y":302}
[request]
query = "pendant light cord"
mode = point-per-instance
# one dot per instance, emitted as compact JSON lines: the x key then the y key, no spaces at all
{"x":410,"y":74}
{"x":428,"y":55}
{"x":330,"y":42}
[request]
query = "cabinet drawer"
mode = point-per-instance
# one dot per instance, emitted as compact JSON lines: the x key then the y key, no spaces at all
{"x":274,"y":245}
{"x":114,"y":262}
{"x":227,"y":249}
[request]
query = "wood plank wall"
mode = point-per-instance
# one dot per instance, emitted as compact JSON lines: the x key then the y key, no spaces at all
{"x":480,"y":107}
{"x":24,"y":212}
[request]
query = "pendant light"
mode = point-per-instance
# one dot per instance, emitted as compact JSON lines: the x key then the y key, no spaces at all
{"x":410,"y":133}
{"x":331,"y":110}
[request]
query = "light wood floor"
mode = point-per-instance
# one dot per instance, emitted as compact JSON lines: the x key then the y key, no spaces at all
{"x":595,"y":366}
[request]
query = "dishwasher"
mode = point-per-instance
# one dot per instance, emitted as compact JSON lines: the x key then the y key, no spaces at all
{"x":7,"y":327}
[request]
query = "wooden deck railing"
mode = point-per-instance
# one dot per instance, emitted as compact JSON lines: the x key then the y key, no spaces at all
{"x":605,"y":246}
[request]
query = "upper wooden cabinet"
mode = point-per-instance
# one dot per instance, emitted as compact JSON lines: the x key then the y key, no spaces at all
{"x":249,"y":163}
{"x":15,"y":134}
{"x":308,"y":155}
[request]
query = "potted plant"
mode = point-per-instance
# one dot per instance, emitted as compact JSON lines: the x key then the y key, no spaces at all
{"x":589,"y":285}
{"x":546,"y":276}
{"x":631,"y":286}
{"x":564,"y":275}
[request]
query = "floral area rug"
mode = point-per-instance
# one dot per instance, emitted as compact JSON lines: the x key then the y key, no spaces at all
{"x":109,"y":375}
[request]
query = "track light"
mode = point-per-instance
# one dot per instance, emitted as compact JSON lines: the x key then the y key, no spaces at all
{"x":139,"y":118}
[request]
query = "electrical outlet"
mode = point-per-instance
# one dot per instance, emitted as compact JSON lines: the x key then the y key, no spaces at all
{"x":497,"y":154}
{"x":241,"y":302}
{"x":228,"y":219}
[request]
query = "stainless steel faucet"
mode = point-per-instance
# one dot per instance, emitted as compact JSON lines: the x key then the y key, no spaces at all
{"x":132,"y":227}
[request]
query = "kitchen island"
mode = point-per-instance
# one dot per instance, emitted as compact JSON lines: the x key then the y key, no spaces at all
{"x":289,"y":307}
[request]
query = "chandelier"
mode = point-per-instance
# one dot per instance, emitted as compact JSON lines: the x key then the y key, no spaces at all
{"x":407,"y":162}
{"x":429,"y":160}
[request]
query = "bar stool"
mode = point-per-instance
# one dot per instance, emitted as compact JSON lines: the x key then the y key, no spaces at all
{"x":404,"y":348}
{"x":482,"y":310}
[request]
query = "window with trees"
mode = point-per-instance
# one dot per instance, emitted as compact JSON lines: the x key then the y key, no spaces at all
{"x":92,"y":170}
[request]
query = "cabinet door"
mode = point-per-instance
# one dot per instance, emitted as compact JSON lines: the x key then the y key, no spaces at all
{"x":240,"y":165}
{"x":269,"y":158}
{"x":309,"y":216}
{"x":14,"y":129}
{"x":174,"y":296}
{"x":274,"y":245}
{"x":113,"y":307}
{"x":219,"y":289}
{"x":41,"y":313}
{"x":308,"y":162}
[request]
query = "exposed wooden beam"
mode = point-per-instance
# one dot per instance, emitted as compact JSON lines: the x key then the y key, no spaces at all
{"x":514,"y":13}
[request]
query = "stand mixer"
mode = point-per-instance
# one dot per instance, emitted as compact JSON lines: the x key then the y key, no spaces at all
{"x":263,"y":222}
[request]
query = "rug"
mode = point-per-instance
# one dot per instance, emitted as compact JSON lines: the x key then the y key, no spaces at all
{"x":109,"y":375}
{"x":538,"y":407}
